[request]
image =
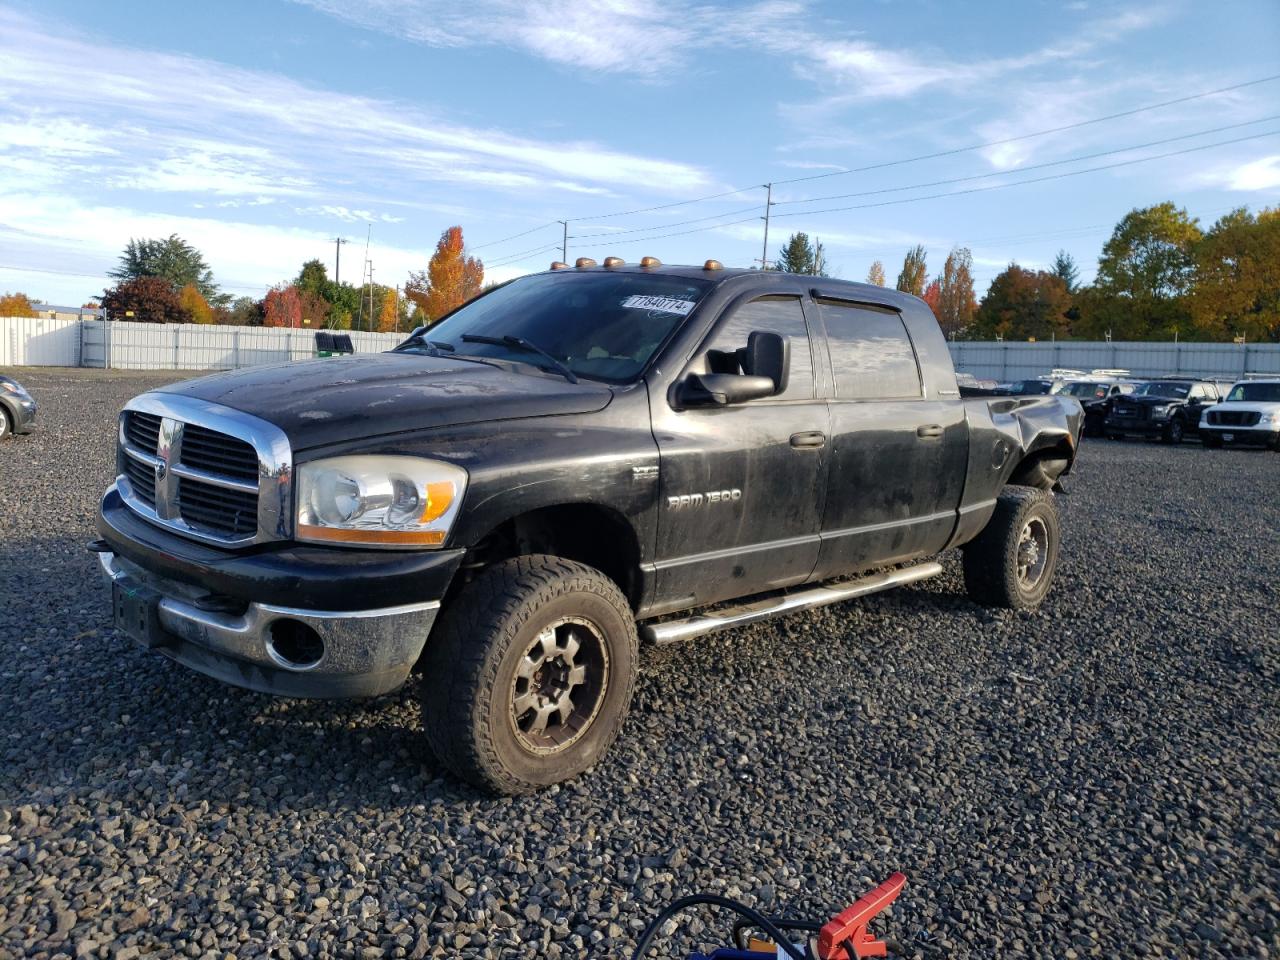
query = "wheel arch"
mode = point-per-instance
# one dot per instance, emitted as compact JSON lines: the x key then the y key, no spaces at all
{"x":589,"y":533}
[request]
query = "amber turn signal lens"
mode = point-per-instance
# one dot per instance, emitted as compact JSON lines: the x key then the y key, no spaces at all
{"x":559,"y":265}
{"x":614,"y":262}
{"x":424,"y":538}
{"x":650,"y":263}
{"x":582,"y":263}
{"x":439,"y":497}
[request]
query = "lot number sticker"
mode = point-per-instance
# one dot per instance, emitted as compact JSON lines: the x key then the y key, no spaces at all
{"x":664,"y":304}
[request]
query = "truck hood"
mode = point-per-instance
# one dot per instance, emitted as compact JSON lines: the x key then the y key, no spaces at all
{"x":327,"y":401}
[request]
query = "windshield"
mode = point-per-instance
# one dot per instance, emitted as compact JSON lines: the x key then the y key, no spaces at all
{"x":1085,"y":390}
{"x":1257,"y":392}
{"x":1163,"y":388}
{"x":603,"y":326}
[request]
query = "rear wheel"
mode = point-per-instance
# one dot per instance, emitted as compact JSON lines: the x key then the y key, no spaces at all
{"x":528,"y":679}
{"x":1012,"y":562}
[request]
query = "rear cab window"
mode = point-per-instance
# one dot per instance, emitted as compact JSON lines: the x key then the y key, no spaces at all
{"x":872,"y":357}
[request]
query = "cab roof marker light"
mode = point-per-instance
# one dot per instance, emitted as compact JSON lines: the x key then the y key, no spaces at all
{"x":713,"y":265}
{"x":559,"y":265}
{"x":650,"y":263}
{"x":582,"y":263}
{"x":611,"y":262}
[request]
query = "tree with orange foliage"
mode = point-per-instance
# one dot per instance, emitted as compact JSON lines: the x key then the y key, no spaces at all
{"x":389,"y":315}
{"x":16,"y":305}
{"x":195,"y":304}
{"x":282,"y":307}
{"x":450,"y":280}
{"x":933,"y":295}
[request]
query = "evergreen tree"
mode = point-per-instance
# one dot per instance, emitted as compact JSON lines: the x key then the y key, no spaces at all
{"x":797,"y":256}
{"x":1065,"y":269}
{"x":171,"y":259}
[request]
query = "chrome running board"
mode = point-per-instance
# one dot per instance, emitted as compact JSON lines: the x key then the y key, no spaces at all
{"x":673,"y":631}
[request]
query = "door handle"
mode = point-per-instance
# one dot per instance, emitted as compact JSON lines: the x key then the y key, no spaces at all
{"x":930,"y":431}
{"x":814,"y":438}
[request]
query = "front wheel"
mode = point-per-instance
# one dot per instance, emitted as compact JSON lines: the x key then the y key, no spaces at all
{"x":1011,"y":563}
{"x":530,"y":674}
{"x":1175,"y":431}
{"x":5,"y":426}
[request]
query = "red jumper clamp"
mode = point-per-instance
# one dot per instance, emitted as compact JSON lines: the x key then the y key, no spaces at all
{"x":850,"y":927}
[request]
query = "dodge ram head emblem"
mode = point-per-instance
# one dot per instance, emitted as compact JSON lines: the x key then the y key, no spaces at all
{"x":698,"y":499}
{"x":162,"y":470}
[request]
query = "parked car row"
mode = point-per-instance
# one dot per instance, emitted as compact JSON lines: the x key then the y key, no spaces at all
{"x":1172,"y":409}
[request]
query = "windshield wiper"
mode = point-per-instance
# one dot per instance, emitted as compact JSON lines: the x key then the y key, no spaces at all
{"x":523,"y":344}
{"x":433,"y":346}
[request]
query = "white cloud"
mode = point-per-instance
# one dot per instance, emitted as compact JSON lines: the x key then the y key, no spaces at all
{"x":1260,"y":174}
{"x":81,"y":86}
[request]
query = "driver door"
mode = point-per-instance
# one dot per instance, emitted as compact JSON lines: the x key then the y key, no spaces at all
{"x":742,"y":485}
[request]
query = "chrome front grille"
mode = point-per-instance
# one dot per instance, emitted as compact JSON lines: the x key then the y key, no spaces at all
{"x":203,"y":470}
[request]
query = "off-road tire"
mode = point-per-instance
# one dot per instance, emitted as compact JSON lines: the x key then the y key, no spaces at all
{"x":1175,"y":432}
{"x":1211,"y":441}
{"x":991,"y":560}
{"x":476,"y":650}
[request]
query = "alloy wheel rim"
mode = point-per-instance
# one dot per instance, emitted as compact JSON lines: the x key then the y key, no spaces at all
{"x":559,"y":685}
{"x":1033,"y":553}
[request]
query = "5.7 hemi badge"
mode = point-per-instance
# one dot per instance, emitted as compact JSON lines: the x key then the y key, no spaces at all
{"x":698,"y":499}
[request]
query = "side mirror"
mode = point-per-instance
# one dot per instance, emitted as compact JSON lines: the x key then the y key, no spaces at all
{"x":768,"y":355}
{"x":723,"y":389}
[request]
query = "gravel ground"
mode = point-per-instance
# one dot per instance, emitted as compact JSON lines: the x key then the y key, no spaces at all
{"x":1096,"y":779}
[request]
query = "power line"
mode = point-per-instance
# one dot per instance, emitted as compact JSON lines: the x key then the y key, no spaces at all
{"x":1037,"y":133}
{"x":667,"y":206}
{"x":1038,"y":166}
{"x":1020,"y":183}
{"x":660,"y":226}
{"x":514,"y":236}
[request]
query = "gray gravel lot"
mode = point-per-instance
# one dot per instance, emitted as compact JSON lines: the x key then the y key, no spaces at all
{"x":1096,"y":779}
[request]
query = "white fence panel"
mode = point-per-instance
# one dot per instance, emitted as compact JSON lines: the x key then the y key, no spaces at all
{"x":124,"y":345}
{"x":1015,"y":361}
{"x":39,"y":341}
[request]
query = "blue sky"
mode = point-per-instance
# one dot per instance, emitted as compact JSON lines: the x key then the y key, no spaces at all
{"x":258,"y":130}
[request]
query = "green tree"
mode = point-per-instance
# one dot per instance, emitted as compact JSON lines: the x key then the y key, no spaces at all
{"x":876,"y":274}
{"x":1021,"y":304}
{"x":171,"y":259}
{"x":244,"y":312}
{"x":1065,"y":269}
{"x":915,"y":274}
{"x":957,"y":302}
{"x":1145,"y":276}
{"x":799,"y":255}
{"x":1237,"y":288}
{"x":313,"y":278}
{"x":144,"y":300}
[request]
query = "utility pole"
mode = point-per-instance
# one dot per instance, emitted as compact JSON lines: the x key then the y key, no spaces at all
{"x":564,"y":244}
{"x":372,"y":321}
{"x":337,"y":257}
{"x":768,"y":204}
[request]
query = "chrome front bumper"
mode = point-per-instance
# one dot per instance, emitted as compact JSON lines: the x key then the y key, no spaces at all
{"x":350,"y":653}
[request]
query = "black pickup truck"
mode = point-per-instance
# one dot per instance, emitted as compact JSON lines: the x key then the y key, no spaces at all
{"x":578,"y":460}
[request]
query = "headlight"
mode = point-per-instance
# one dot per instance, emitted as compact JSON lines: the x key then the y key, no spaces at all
{"x":378,"y":501}
{"x":1161,"y":411}
{"x":1273,"y":416}
{"x":15,"y":389}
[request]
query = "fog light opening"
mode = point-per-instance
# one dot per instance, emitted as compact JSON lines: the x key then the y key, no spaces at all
{"x":294,"y":645}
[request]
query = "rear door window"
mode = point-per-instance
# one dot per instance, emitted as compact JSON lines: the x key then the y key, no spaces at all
{"x":871,"y":354}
